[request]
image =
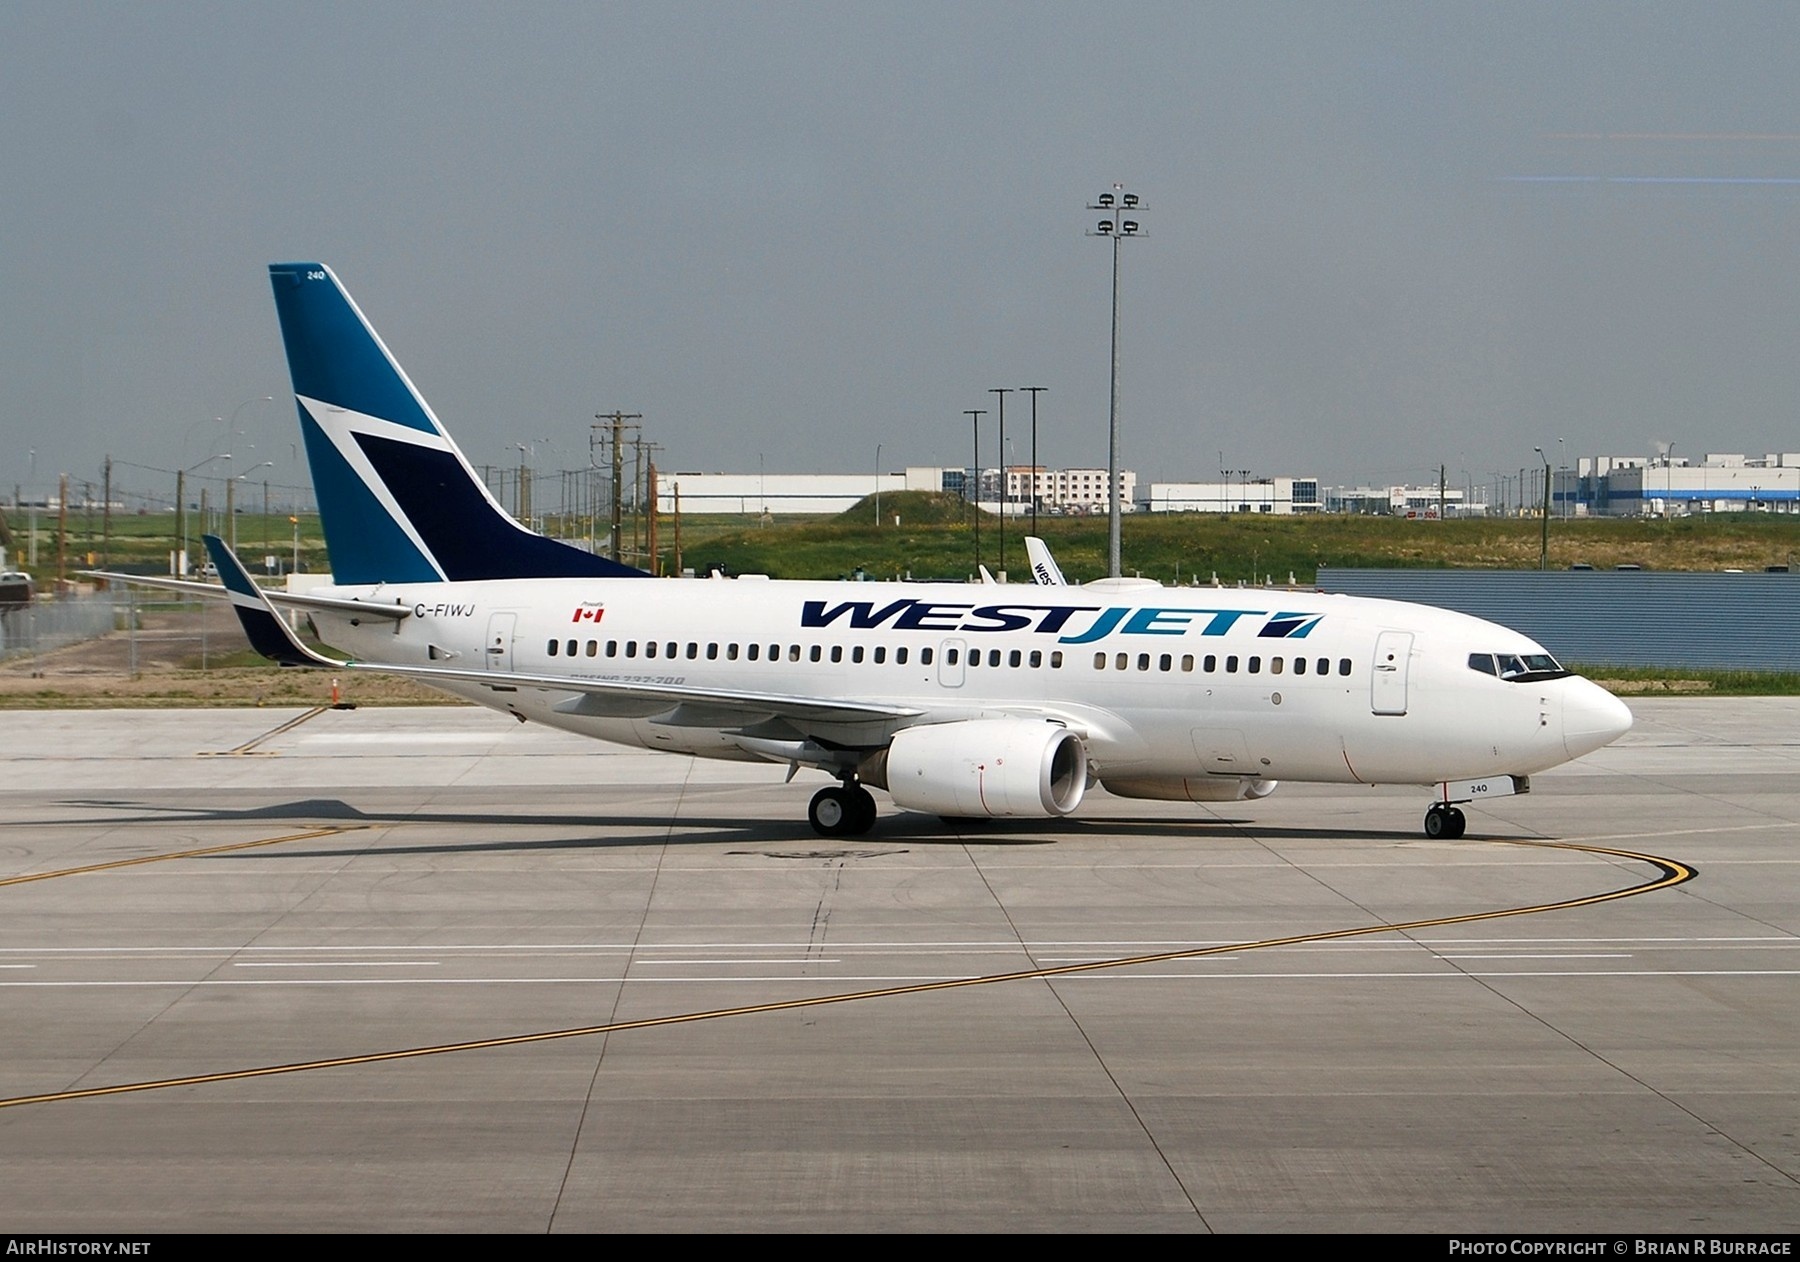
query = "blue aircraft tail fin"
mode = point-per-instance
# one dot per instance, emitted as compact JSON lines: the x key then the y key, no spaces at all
{"x":398,"y":501}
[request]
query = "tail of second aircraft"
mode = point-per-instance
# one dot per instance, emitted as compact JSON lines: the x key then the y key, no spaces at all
{"x":398,"y":501}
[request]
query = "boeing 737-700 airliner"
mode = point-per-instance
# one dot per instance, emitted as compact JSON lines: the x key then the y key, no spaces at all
{"x":958,"y":700}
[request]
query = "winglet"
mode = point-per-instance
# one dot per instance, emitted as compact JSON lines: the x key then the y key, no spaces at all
{"x":269,"y":632}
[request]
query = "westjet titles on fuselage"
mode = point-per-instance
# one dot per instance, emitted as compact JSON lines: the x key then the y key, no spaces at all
{"x":912,"y":614}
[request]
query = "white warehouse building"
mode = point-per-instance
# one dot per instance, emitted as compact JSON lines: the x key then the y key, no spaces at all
{"x":1623,"y":486}
{"x":1282,"y":496}
{"x":753,"y":494}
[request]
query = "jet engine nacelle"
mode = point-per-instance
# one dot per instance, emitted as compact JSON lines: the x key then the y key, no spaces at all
{"x":986,"y":767}
{"x":1192,"y":788}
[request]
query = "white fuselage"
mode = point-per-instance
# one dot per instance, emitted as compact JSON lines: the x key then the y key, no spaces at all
{"x":1160,"y":683}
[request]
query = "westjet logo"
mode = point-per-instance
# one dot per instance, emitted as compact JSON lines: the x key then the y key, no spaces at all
{"x":1071,"y":624}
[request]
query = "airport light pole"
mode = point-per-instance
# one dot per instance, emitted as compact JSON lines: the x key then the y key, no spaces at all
{"x":1034,"y":391}
{"x":878,"y":486}
{"x":1002,"y":391}
{"x":1116,"y":205}
{"x":975,"y":415}
{"x":1544,"y":546}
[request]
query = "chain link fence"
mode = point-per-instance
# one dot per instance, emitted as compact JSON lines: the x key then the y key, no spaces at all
{"x":53,"y":624}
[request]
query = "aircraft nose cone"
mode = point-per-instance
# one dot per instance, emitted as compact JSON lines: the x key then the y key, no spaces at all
{"x":1592,"y":717}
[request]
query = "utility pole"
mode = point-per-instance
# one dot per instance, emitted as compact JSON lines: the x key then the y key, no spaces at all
{"x":650,"y":520}
{"x":106,"y":515}
{"x":180,"y":523}
{"x":62,"y":531}
{"x":617,"y":431}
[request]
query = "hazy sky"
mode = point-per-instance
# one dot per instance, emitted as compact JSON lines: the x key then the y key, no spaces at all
{"x":1378,"y":236}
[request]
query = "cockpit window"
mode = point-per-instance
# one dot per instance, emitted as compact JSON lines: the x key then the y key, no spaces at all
{"x":1518,"y":667}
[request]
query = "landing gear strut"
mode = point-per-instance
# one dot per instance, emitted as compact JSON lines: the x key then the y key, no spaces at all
{"x":1442,"y":821}
{"x":842,"y":810}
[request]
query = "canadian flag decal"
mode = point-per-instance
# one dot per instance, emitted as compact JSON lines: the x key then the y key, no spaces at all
{"x":588,"y":613}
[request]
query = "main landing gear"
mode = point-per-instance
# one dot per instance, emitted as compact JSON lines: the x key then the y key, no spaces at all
{"x":842,"y":810}
{"x":1444,"y":821}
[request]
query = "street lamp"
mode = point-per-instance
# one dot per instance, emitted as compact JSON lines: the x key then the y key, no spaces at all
{"x":1544,"y":547}
{"x":1119,"y":220}
{"x":878,"y":486}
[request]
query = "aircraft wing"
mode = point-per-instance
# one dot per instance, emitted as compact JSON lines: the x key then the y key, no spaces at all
{"x":272,"y":637}
{"x":712,"y":706}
